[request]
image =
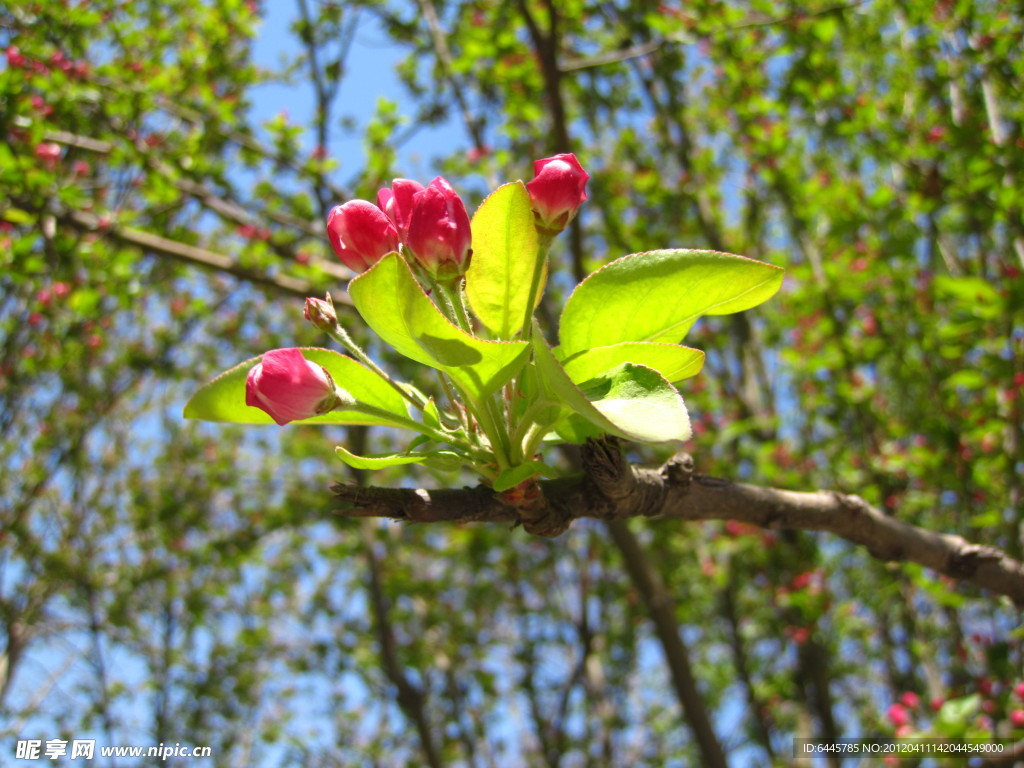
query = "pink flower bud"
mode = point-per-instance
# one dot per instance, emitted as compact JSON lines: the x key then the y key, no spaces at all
{"x":48,"y":153}
{"x":398,"y":203}
{"x":439,"y":234}
{"x":360,"y":234}
{"x":557,"y":191}
{"x":802,"y":580}
{"x":288,"y":387}
{"x":321,"y":314}
{"x":898,"y":715}
{"x":40,"y":106}
{"x":14,"y":57}
{"x":910,"y":700}
{"x":1017,"y":718}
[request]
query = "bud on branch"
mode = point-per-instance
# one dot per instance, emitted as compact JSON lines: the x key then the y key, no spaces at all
{"x":557,"y":191}
{"x":288,"y":387}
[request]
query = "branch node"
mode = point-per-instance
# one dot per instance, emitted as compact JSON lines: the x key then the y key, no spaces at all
{"x":607,"y":468}
{"x":965,"y":562}
{"x":678,"y":471}
{"x":551,"y":524}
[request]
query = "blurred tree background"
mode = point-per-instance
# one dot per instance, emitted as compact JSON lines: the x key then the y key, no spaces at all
{"x":167,"y":581}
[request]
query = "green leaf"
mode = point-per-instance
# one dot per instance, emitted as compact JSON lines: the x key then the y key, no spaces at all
{"x":437,"y":459}
{"x":513,"y":476}
{"x":630,"y":401}
{"x":968,"y":378}
{"x":507,"y":272}
{"x":223,"y":399}
{"x":18,"y":216}
{"x":395,"y":306}
{"x":573,"y":428}
{"x":656,"y":296}
{"x":431,"y":416}
{"x":640,"y":402}
{"x":673,"y":361}
{"x":955,"y":715}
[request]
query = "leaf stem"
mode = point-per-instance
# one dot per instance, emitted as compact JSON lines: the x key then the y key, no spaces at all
{"x":340,"y":335}
{"x":532,"y":439}
{"x":453,"y":398}
{"x":452,"y":297}
{"x":492,"y":428}
{"x":530,"y":432}
{"x":440,"y":436}
{"x":543,"y":247}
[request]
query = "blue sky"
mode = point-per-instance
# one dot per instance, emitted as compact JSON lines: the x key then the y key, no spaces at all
{"x":370,"y":76}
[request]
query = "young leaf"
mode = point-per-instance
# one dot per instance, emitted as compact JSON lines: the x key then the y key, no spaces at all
{"x":658,"y":295}
{"x":223,"y":399}
{"x":507,"y":272}
{"x":640,"y":402}
{"x":395,"y":306}
{"x":630,"y":401}
{"x":673,"y":361}
{"x":513,"y":476}
{"x":446,"y":460}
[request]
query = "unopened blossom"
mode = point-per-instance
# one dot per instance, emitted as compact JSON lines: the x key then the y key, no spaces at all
{"x":398,"y":202}
{"x":439,"y":232}
{"x":321,"y":313}
{"x":48,"y":153}
{"x":360,"y":233}
{"x":898,"y":715}
{"x":288,"y":387}
{"x":910,"y":700}
{"x":557,"y":191}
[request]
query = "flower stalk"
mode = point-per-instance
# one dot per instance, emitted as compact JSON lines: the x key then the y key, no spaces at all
{"x":321,"y":313}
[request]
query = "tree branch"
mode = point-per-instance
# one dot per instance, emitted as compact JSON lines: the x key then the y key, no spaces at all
{"x":410,"y":698}
{"x":224,"y":207}
{"x":612,"y":489}
{"x":194,"y":255}
{"x":677,"y":655}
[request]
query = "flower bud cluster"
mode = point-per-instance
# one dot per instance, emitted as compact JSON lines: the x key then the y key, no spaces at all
{"x":430,"y":224}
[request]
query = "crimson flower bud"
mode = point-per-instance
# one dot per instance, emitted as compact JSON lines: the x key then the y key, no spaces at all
{"x":557,"y":191}
{"x":360,"y":234}
{"x":898,"y":715}
{"x":288,"y":387}
{"x":439,"y":234}
{"x":14,"y":57}
{"x":398,"y":203}
{"x":910,"y":700}
{"x":320,"y":312}
{"x":48,"y":153}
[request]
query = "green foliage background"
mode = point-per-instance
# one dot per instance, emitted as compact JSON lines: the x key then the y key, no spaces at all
{"x":168,"y":581}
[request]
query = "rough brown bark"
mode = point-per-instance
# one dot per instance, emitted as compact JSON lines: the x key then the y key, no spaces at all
{"x":611,"y":489}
